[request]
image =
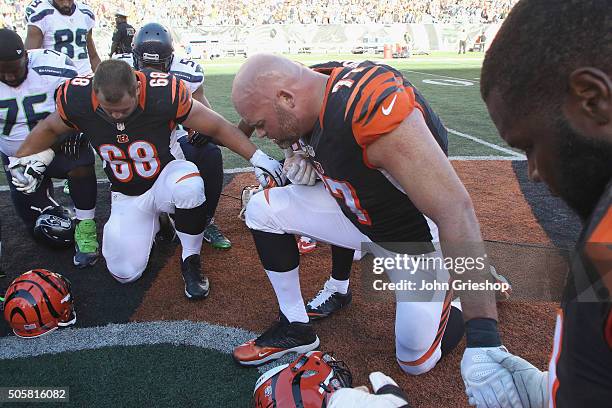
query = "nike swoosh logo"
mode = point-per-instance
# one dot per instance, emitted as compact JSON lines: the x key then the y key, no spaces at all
{"x":264,"y":354}
{"x":386,"y":111}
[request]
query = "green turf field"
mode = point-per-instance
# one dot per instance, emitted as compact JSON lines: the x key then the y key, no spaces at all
{"x":450,"y":82}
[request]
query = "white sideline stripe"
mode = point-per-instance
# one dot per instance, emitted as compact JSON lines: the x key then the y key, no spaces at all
{"x":183,"y":333}
{"x":491,"y":145}
{"x":476,"y":158}
{"x":440,"y":76}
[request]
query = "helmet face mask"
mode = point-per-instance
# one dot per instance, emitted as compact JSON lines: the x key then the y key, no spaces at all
{"x":152,"y":47}
{"x":38,"y":302}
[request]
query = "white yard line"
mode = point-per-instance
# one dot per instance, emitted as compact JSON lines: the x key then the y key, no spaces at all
{"x":440,"y":76}
{"x":488,"y":144}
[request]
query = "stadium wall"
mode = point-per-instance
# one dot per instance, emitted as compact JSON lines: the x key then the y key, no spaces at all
{"x":333,"y":38}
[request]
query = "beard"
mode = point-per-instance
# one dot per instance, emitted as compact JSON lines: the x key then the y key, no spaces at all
{"x":584,"y":168}
{"x":288,"y":124}
{"x":66,"y":11}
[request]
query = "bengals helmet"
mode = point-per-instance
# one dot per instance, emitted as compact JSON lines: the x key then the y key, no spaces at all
{"x":308,"y":382}
{"x":38,"y":302}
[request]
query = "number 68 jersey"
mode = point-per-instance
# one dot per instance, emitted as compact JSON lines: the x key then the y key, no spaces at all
{"x":134,"y":151}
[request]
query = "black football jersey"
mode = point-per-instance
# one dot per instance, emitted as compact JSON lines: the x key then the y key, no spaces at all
{"x":137,"y":150}
{"x":363,"y":102}
{"x":580,"y":370}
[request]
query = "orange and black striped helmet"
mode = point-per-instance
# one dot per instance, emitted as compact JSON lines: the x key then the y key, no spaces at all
{"x":308,"y":382}
{"x":38,"y":302}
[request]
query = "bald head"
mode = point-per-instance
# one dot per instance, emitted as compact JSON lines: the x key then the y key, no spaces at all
{"x":280,"y":98}
{"x":262,"y":75}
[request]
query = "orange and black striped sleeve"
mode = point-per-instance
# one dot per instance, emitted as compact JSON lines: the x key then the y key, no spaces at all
{"x":61,"y":104}
{"x":380,"y":103}
{"x":181,"y":97}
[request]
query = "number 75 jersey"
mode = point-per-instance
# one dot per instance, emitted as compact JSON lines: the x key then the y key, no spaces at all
{"x":134,"y":151}
{"x":21,"y":107}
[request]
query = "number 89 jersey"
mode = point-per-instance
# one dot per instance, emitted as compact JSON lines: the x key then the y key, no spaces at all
{"x":64,"y":33}
{"x":136,"y":150}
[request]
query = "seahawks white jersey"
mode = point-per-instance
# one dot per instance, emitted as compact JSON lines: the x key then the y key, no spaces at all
{"x":23,"y":106}
{"x":189,"y":72}
{"x":184,"y":68}
{"x":66,"y":34}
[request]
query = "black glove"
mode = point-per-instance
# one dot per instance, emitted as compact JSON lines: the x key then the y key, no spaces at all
{"x":71,"y":145}
{"x":198,"y":139}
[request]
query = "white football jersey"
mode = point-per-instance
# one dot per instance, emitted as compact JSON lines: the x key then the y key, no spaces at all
{"x":23,"y":106}
{"x":66,"y":34}
{"x":183,"y":68}
{"x":192,"y":74}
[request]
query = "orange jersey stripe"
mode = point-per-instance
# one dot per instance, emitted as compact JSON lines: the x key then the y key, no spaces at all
{"x":362,"y":81}
{"x":142,"y":78}
{"x":188,"y":176}
{"x":603,"y":231}
{"x":330,"y":81}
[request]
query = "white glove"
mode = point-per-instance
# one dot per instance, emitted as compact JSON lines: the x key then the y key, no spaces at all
{"x":531,"y":383}
{"x":360,"y":397}
{"x":299,"y":170}
{"x":488,"y":384}
{"x":28,"y":172}
{"x":269,"y":172}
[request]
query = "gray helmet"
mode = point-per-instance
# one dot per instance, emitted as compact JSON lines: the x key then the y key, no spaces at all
{"x":152,"y":45}
{"x":55,"y":227}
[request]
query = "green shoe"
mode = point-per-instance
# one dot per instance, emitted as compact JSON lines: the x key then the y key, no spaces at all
{"x":215,"y":237}
{"x":66,"y":187}
{"x":86,"y":244}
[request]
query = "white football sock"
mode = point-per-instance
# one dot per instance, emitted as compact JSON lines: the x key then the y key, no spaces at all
{"x":85,"y":214}
{"x":287,"y":288}
{"x":191,"y":244}
{"x":340,"y":286}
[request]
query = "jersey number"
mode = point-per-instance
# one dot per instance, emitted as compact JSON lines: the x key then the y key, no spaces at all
{"x":158,"y":79}
{"x":27,"y":103}
{"x":142,"y":160}
{"x":64,"y":39}
{"x":345,"y":191}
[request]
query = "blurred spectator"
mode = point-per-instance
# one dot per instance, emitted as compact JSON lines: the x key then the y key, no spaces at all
{"x":189,"y":13}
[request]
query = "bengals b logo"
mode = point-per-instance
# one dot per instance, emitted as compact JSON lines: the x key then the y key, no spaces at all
{"x":123,"y":138}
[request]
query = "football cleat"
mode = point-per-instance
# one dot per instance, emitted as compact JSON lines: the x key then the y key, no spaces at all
{"x":281,"y":338}
{"x":306,"y":245}
{"x":196,"y":285}
{"x":85,"y":244}
{"x":214,"y":236}
{"x":327,"y":302}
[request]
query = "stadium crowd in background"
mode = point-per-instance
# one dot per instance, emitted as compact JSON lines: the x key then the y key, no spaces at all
{"x":185,"y":13}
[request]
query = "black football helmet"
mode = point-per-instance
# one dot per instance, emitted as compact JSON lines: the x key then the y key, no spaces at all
{"x":152,"y":46}
{"x":55,"y":227}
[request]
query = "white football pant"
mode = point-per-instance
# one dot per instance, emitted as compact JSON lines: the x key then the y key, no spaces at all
{"x":134,"y":220}
{"x":312,"y":211}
